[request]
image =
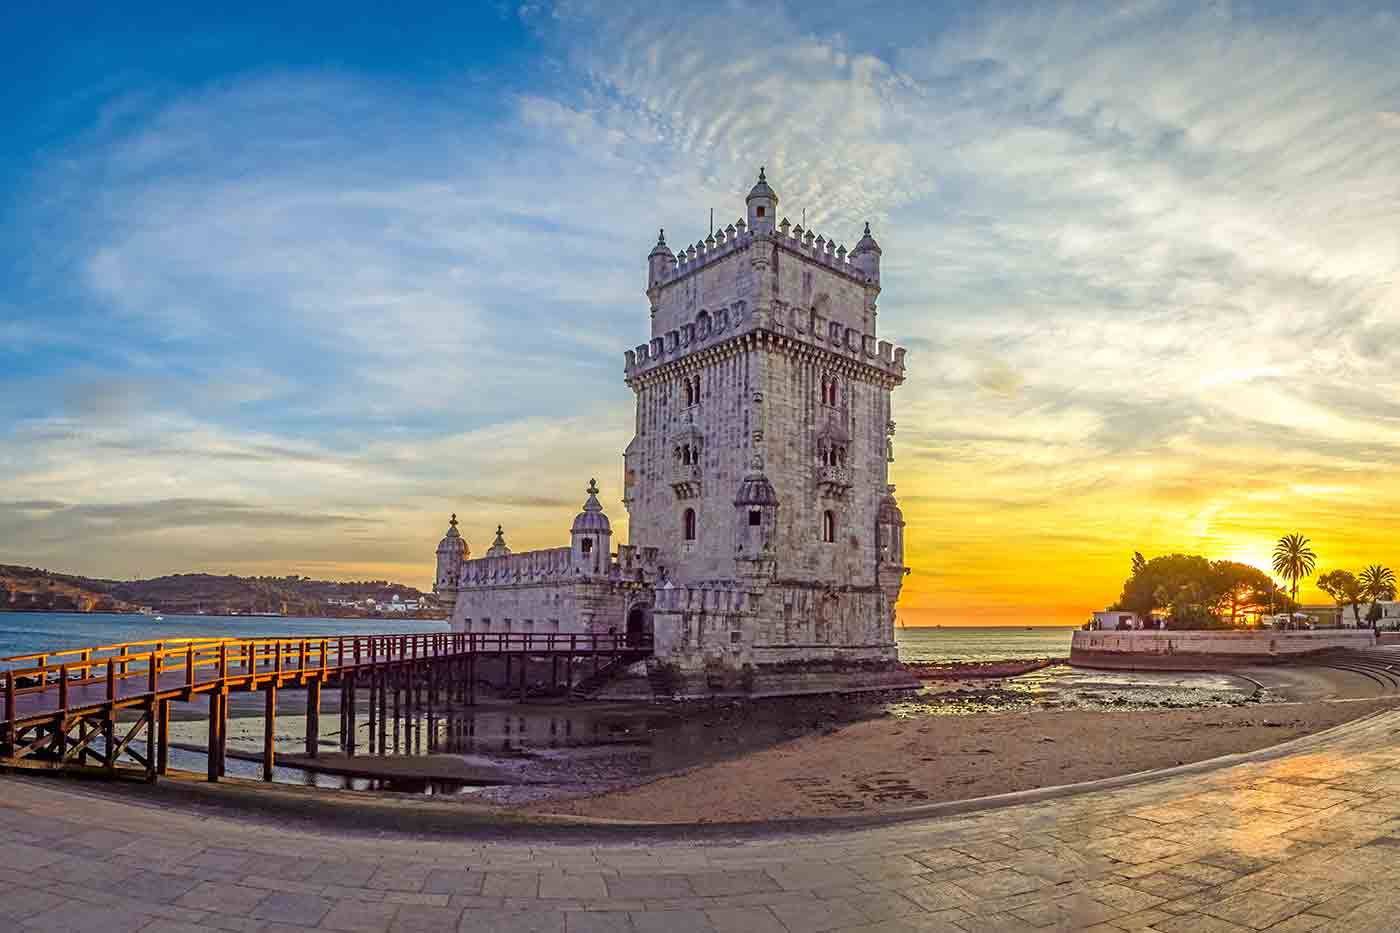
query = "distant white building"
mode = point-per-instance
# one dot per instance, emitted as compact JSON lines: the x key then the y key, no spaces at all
{"x":1109,"y":620}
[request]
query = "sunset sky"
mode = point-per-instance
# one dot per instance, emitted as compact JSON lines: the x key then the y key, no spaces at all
{"x":280,"y":292}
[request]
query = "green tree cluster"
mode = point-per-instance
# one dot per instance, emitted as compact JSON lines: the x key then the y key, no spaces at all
{"x":1198,"y":593}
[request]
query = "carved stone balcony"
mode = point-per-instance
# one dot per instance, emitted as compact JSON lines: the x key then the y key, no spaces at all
{"x":833,"y":481}
{"x":685,"y":480}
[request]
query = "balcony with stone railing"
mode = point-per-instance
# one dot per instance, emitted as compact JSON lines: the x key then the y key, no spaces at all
{"x":685,"y":480}
{"x":833,"y":481}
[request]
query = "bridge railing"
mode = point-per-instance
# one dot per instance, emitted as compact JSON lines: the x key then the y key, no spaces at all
{"x":157,"y":665}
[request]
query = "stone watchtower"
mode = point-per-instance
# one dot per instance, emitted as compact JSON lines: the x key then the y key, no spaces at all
{"x":759,"y":471}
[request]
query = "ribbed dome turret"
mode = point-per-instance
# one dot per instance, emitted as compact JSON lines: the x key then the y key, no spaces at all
{"x":661,"y":249}
{"x":452,"y":543}
{"x":592,"y":520}
{"x":755,"y":489}
{"x":867,"y":243}
{"x":761,"y":189}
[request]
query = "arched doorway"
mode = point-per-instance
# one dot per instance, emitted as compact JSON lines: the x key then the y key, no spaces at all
{"x":639,"y":626}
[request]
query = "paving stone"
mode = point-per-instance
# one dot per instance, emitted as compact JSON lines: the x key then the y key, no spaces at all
{"x":419,"y":918}
{"x":730,"y":884}
{"x":453,"y":881}
{"x":1257,"y":910}
{"x":360,"y":917}
{"x":572,"y":886}
{"x":511,"y":921}
{"x":650,"y":886}
{"x":671,"y":921}
{"x":814,"y":916}
{"x":286,"y":907}
{"x":588,"y":921}
{"x":745,"y":920}
{"x":222,"y":898}
{"x":77,"y":917}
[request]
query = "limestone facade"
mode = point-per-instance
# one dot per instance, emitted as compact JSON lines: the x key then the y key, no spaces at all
{"x":763,"y":529}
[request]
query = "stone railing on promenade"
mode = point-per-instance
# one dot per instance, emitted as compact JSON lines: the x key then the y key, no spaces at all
{"x":1206,"y":650}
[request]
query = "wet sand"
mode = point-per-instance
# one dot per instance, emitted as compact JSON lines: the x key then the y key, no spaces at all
{"x":877,"y":766}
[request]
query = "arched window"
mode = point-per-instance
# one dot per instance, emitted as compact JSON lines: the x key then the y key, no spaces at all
{"x":587,"y":546}
{"x":829,"y":526}
{"x":689,"y":392}
{"x":688,"y":524}
{"x":755,"y":517}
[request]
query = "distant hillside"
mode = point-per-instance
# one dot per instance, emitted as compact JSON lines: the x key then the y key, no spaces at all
{"x":35,"y":590}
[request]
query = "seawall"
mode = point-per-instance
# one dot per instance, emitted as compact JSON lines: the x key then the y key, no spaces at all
{"x":1204,"y":651}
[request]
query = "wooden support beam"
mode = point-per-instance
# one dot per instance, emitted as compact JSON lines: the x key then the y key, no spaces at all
{"x":211,"y":751}
{"x":269,"y":729}
{"x":150,"y":759}
{"x":372,"y":682}
{"x":162,"y":736}
{"x":313,"y":717}
{"x":383,"y":683}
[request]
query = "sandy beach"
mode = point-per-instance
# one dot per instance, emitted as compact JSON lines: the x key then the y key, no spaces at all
{"x":877,"y":766}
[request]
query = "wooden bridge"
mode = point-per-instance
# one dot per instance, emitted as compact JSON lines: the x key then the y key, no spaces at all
{"x":57,"y":705}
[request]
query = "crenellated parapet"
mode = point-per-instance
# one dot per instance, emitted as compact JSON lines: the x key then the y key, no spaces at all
{"x":557,"y":565}
{"x":805,"y":332}
{"x":722,"y":597}
{"x":543,"y":566}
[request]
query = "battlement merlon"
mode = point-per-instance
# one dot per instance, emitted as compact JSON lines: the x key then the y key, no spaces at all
{"x":761,"y":261}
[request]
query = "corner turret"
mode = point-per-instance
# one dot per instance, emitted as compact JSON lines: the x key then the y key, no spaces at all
{"x":659,"y":261}
{"x":763,"y":206}
{"x":592,"y":535}
{"x":866,"y":257}
{"x":452,"y":551}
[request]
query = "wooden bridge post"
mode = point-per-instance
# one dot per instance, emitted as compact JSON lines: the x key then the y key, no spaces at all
{"x":375,"y":689}
{"x":270,"y":727}
{"x":152,"y":704}
{"x":383,"y":682}
{"x":10,"y":711}
{"x":471,"y":671}
{"x":212,"y":770}
{"x":396,"y":677}
{"x":109,"y":716}
{"x":162,"y":750}
{"x":313,"y":716}
{"x":430,"y":688}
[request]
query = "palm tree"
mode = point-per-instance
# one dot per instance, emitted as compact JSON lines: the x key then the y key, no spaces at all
{"x":1377,"y":584}
{"x":1294,"y":560}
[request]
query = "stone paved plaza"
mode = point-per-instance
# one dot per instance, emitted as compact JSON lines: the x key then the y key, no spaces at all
{"x":1298,"y":842}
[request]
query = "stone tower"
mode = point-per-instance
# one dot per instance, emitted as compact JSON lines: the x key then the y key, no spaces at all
{"x":759,"y":470}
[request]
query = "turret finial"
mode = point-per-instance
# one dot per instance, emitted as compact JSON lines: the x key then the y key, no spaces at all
{"x":592,"y":487}
{"x":661,"y":236}
{"x":761,"y":176}
{"x":453,"y":520}
{"x":867,"y":228}
{"x":499,"y":530}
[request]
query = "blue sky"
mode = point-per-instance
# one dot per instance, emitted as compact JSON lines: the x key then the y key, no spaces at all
{"x":283,"y":289}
